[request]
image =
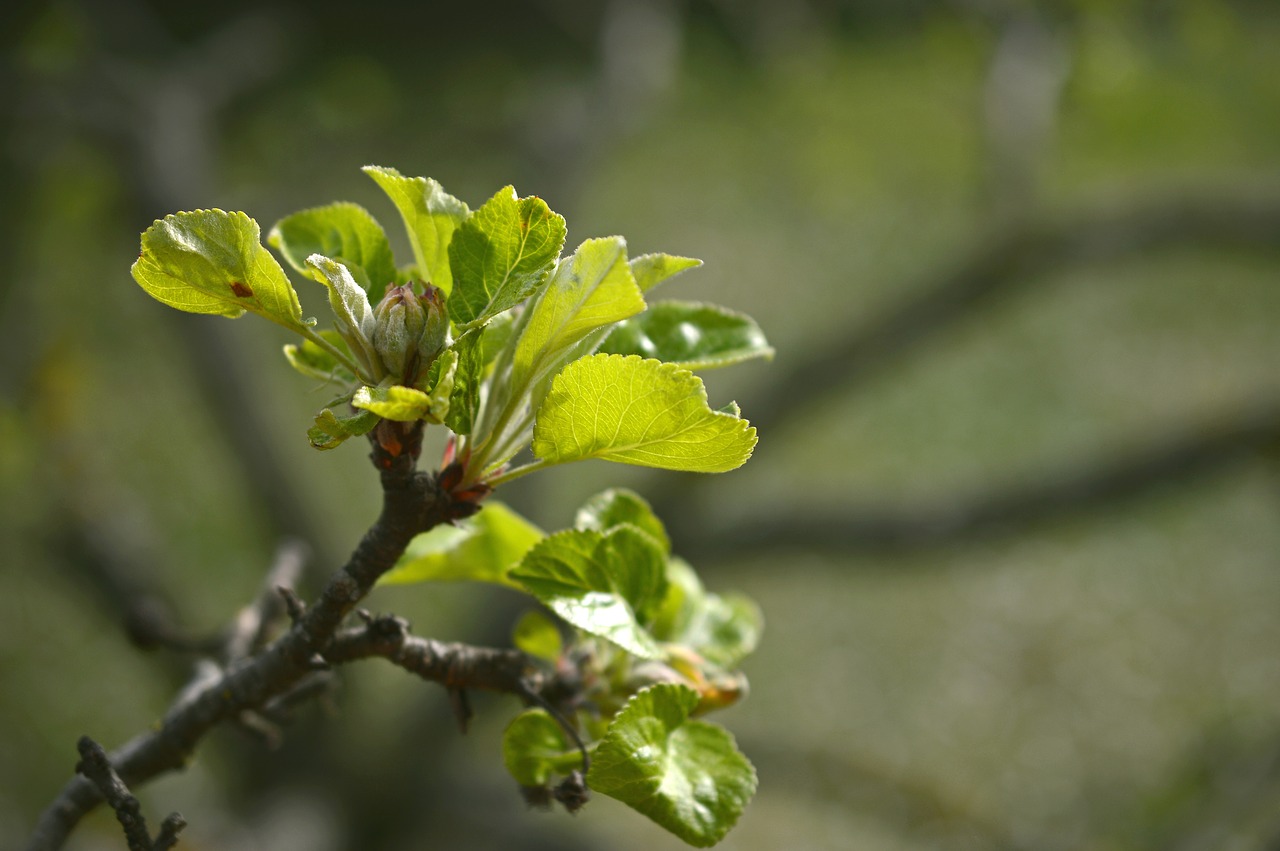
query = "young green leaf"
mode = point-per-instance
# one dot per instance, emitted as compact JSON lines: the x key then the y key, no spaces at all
{"x":723,"y":630}
{"x":689,"y":334}
{"x":315,"y":362}
{"x":347,"y":233}
{"x":536,"y":749}
{"x":688,"y":776}
{"x":351,"y":307}
{"x":588,"y":292}
{"x":467,"y":375}
{"x":211,"y":261}
{"x":331,"y":430}
{"x":501,"y":255}
{"x":393,"y":402}
{"x":598,"y":582}
{"x":591,"y":289}
{"x":431,"y":216}
{"x":481,"y":550}
{"x":641,"y":412}
{"x":616,"y":506}
{"x":536,"y":635}
{"x":652,"y":269}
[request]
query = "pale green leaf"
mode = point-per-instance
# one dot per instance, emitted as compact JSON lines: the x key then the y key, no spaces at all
{"x":430,"y":215}
{"x":587,"y":292}
{"x":613,"y":507}
{"x":331,"y":430}
{"x":347,"y":233}
{"x":537,"y":635}
{"x":393,"y":402}
{"x":351,"y":307}
{"x":481,"y":549}
{"x":501,"y":255}
{"x":465,"y":397}
{"x":689,"y":334}
{"x":652,"y":269}
{"x":688,"y":776}
{"x":638,"y":411}
{"x":211,"y":261}
{"x":535,"y":749}
{"x":591,"y":289}
{"x":313,"y":361}
{"x":723,"y":630}
{"x":598,"y":582}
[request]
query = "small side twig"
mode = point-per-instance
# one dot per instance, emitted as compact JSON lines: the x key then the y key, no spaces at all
{"x":252,"y":626}
{"x":95,"y":765}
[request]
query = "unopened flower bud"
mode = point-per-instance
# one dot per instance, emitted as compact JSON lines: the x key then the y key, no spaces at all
{"x":399,"y":320}
{"x":435,"y":334}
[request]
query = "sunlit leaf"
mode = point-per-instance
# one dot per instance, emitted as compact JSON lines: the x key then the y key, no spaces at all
{"x":686,"y":775}
{"x":350,"y":306}
{"x":613,"y":507}
{"x":211,"y":261}
{"x":347,"y":233}
{"x":598,"y":582}
{"x":638,"y":411}
{"x":430,"y":215}
{"x":331,"y":430}
{"x":393,"y":402}
{"x":501,"y":255}
{"x":482,"y":549}
{"x":689,"y":334}
{"x":652,"y":269}
{"x":587,"y":293}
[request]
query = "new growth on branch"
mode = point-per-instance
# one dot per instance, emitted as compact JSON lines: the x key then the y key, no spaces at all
{"x":528,"y":359}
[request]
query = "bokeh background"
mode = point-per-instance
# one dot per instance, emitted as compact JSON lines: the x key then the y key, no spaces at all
{"x":1013,"y":518}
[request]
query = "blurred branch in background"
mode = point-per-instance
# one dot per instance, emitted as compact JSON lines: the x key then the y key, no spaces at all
{"x":1032,"y":255}
{"x":160,"y":103}
{"x":1168,"y":460}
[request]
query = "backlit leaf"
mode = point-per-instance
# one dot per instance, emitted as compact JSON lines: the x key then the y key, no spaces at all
{"x":430,"y":215}
{"x":689,"y":334}
{"x":211,"y":261}
{"x":350,"y":306}
{"x":481,"y":549}
{"x":652,"y":269}
{"x":315,"y":362}
{"x":501,"y":255}
{"x":347,"y":233}
{"x":638,"y":411}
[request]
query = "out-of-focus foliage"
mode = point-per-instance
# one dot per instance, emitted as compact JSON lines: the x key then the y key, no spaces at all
{"x":1105,"y":680}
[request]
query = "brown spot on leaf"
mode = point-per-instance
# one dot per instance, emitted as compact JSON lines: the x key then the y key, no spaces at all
{"x":241,"y":290}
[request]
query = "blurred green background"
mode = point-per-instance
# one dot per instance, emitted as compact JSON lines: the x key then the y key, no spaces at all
{"x":1013,"y":518}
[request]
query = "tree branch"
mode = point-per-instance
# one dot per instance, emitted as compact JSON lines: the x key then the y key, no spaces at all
{"x":455,"y":666}
{"x":412,"y":503}
{"x":95,"y":766}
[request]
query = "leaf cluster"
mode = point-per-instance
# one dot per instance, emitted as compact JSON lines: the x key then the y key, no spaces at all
{"x":655,"y":647}
{"x":529,"y":359}
{"x":528,"y":350}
